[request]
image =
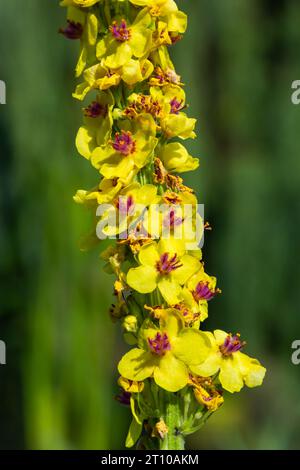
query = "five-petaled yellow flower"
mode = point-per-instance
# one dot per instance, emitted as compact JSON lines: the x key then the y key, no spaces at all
{"x":168,"y":11}
{"x":126,"y":41}
{"x":164,"y":265}
{"x":236,"y":368}
{"x":130,"y":149}
{"x":166,"y":353}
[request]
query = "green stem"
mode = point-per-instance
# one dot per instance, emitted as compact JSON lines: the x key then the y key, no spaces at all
{"x":173,"y":440}
{"x":107,"y":12}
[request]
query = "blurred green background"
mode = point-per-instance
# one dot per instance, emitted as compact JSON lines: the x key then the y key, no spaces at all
{"x":238,"y":60}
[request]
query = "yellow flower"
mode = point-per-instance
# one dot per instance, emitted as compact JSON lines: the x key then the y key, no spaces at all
{"x":175,"y":214}
{"x":130,"y":150}
{"x":128,"y":207}
{"x":125,"y":41}
{"x":130,"y":386}
{"x":140,"y":103}
{"x":206,"y":392}
{"x":176,"y":158}
{"x":161,"y":78}
{"x":161,"y":36}
{"x":99,"y":77}
{"x":135,"y":71}
{"x":178,"y":125}
{"x":104,"y":193}
{"x":189,"y":317}
{"x":130,"y":324}
{"x":84,"y":26}
{"x":236,"y":368}
{"x":166,"y":354}
{"x":173,"y":96}
{"x":165,"y":104}
{"x":97,"y":125}
{"x":160,"y":430}
{"x":96,"y":77}
{"x":159,"y":103}
{"x":167,"y":10}
{"x":200,"y":289}
{"x":164,"y":265}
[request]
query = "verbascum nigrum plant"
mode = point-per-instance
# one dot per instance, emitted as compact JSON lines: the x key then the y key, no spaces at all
{"x":134,"y":126}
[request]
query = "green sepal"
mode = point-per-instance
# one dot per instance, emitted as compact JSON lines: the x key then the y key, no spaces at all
{"x":134,"y":433}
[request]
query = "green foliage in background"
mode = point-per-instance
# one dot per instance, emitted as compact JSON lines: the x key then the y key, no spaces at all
{"x":57,"y":390}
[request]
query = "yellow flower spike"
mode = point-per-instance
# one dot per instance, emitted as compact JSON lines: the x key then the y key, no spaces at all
{"x":170,"y":351}
{"x":165,"y":266}
{"x":133,"y":121}
{"x":126,"y":41}
{"x":235,"y":368}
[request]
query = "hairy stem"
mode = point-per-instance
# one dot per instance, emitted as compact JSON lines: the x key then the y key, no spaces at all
{"x":173,"y":440}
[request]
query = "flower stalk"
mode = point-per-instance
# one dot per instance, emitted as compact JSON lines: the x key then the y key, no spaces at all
{"x":175,"y":374}
{"x":173,"y":439}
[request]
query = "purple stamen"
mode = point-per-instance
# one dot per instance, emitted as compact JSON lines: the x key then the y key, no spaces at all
{"x":175,"y":37}
{"x":95,"y":110}
{"x":124,"y":143}
{"x":231,"y":345}
{"x":171,"y":220}
{"x":160,"y":77}
{"x":120,"y":31}
{"x":125,"y":204}
{"x":72,"y":31}
{"x":167,"y":263}
{"x":203,"y":292}
{"x":160,"y":344}
{"x":176,"y":106}
{"x":124,"y":398}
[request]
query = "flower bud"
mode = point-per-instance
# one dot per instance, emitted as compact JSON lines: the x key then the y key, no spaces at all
{"x":130,"y":324}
